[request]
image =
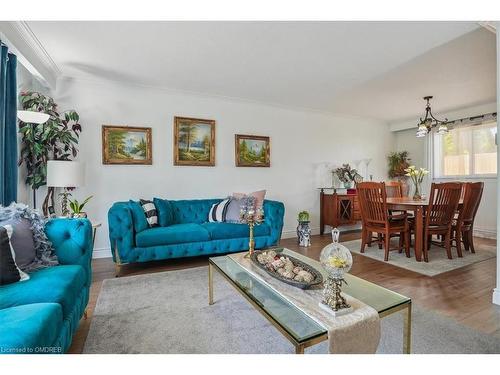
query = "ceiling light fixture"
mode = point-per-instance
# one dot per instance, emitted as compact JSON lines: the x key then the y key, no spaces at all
{"x":429,"y":121}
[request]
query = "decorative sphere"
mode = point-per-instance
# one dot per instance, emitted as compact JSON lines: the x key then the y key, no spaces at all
{"x":336,"y":259}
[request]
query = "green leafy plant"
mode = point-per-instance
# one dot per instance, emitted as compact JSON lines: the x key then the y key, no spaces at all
{"x":55,"y":139}
{"x":347,"y":174}
{"x":398,"y":161}
{"x":77,"y":207}
{"x":303,"y":216}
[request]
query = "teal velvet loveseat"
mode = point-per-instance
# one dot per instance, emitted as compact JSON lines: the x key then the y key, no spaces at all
{"x":40,"y":315}
{"x":184,"y":231}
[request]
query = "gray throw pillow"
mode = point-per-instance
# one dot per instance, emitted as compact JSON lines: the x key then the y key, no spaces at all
{"x":235,"y":206}
{"x":22,"y":241}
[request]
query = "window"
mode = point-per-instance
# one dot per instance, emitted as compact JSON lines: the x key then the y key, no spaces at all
{"x":466,"y":152}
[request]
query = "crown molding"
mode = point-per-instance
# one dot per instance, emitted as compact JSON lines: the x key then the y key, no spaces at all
{"x":488,"y":25}
{"x":30,"y":51}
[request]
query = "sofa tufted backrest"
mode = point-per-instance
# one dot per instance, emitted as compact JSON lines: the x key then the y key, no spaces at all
{"x":192,"y":210}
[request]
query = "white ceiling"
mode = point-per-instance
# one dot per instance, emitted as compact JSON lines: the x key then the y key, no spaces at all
{"x":375,"y":69}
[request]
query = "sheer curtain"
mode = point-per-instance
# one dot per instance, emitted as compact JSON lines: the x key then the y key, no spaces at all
{"x":8,"y":126}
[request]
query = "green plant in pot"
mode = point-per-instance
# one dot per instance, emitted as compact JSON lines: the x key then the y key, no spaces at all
{"x":347,"y":175}
{"x":398,"y":162}
{"x":56,"y":139}
{"x":77,"y":207}
{"x":303,"y":217}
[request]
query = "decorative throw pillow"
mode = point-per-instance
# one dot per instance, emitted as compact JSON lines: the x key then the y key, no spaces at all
{"x":150,"y":212}
{"x":258,"y":195}
{"x":22,"y":241}
{"x":138,"y":217}
{"x":45,"y":255}
{"x":218,"y":211}
{"x":235,"y":206}
{"x":165,"y":212}
{"x":9,"y":271}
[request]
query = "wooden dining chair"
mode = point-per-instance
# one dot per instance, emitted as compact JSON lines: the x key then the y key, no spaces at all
{"x":394,"y":189}
{"x":463,"y":225}
{"x":375,"y":218}
{"x":443,"y":203}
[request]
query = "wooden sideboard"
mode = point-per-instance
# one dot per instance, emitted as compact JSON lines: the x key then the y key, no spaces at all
{"x":338,"y":209}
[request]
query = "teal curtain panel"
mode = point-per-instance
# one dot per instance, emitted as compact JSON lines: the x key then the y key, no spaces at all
{"x":8,"y":127}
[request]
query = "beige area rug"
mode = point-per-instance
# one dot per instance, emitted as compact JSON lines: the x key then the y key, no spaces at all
{"x":438,"y":261}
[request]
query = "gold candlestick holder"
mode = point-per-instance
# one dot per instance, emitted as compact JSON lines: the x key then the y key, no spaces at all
{"x":252,"y":218}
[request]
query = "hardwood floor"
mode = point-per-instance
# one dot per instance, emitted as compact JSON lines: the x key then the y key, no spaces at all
{"x":463,"y":294}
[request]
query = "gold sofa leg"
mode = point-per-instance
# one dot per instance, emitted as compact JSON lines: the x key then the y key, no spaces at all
{"x":118,"y":262}
{"x":85,"y":315}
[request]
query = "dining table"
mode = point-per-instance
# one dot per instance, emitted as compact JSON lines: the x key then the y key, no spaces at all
{"x":418,"y":207}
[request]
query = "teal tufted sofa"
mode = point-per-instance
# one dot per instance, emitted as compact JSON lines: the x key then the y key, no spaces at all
{"x":41,"y":315}
{"x":184,"y":231}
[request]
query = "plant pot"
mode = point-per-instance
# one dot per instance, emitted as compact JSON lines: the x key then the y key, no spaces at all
{"x":348,"y":185}
{"x":80,"y":215}
{"x":304,"y":234}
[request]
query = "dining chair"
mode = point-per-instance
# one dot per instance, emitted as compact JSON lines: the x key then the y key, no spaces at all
{"x":443,"y":203}
{"x":463,"y":225}
{"x":375,"y":218}
{"x":394,"y":189}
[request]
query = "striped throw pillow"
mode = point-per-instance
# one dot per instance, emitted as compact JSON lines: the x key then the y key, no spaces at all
{"x":218,"y":211}
{"x":150,"y":212}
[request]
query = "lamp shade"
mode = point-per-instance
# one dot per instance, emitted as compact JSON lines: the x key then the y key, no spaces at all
{"x":32,"y":117}
{"x":65,"y":173}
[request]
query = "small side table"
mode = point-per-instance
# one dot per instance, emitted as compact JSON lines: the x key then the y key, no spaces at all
{"x":95,"y":225}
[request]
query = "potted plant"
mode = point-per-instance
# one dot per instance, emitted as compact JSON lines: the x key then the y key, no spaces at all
{"x":398,"y":162}
{"x":56,"y":139}
{"x":303,"y":217}
{"x":347,"y":175}
{"x":303,"y":229}
{"x":77,"y":207}
{"x":417,"y":176}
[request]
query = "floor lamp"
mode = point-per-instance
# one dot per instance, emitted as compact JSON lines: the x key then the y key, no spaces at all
{"x":65,"y":174}
{"x":33,"y":119}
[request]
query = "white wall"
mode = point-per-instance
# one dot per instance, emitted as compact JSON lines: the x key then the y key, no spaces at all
{"x":299,"y":140}
{"x":486,"y":220}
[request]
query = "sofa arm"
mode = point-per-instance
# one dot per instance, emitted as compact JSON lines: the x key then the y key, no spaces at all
{"x":72,"y":242}
{"x":274,"y":213}
{"x":121,"y":231}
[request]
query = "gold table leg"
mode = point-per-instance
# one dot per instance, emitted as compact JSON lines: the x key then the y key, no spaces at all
{"x":299,"y":349}
{"x":210,"y":284}
{"x":407,"y":331}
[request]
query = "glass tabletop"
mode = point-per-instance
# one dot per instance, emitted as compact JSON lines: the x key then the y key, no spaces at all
{"x":300,"y":326}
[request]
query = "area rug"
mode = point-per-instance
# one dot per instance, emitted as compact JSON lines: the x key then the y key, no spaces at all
{"x":438,"y":261}
{"x":168,"y":312}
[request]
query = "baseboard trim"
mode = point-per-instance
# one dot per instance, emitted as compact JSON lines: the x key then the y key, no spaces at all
{"x":104,"y":252}
{"x":292,"y":233}
{"x":485,"y":233}
{"x":496,"y":296}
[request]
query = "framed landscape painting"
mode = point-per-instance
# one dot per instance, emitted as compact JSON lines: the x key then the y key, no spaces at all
{"x":252,"y":151}
{"x":194,"y":141}
{"x":126,"y":145}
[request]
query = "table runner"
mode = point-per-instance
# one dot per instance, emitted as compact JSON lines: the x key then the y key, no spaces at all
{"x":355,"y":332}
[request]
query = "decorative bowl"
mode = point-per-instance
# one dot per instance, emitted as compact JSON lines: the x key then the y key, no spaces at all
{"x":318,"y":278}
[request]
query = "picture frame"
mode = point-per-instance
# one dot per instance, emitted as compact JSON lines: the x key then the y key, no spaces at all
{"x":194,"y":142}
{"x":126,"y":145}
{"x":252,"y":150}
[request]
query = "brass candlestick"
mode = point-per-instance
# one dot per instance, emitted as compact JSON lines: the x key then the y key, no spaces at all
{"x":331,"y":295}
{"x":252,"y":218}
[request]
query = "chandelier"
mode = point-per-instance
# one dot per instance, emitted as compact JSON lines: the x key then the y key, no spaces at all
{"x":429,"y":121}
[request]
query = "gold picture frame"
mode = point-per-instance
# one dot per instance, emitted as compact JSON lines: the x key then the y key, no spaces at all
{"x":194,"y":142}
{"x":252,"y":150}
{"x":126,"y":145}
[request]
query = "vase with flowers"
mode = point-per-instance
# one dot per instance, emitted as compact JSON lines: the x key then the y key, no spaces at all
{"x":347,"y":175}
{"x":417,"y":176}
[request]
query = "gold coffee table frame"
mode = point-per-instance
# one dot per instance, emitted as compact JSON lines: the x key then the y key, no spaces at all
{"x":371,"y":294}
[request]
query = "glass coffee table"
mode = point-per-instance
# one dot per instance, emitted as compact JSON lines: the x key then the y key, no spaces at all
{"x":301,"y":330}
